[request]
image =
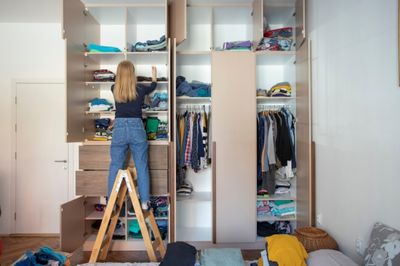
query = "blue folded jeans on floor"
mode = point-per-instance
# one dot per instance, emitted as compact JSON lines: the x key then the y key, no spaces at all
{"x":221,"y":257}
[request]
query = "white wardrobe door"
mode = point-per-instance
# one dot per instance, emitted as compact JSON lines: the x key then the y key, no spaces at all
{"x":234,"y":131}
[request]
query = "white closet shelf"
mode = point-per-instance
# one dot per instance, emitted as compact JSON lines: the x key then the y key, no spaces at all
{"x":112,"y":82}
{"x":195,"y":197}
{"x":157,"y":218}
{"x":148,"y":53}
{"x":148,"y":112}
{"x":150,"y":142}
{"x":266,"y":98}
{"x":187,"y":99}
{"x":275,"y":197}
{"x":275,"y":57}
{"x":193,"y":52}
{"x":95,"y":215}
{"x":270,"y":218}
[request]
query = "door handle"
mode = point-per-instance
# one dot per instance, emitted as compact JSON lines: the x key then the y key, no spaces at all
{"x":60,"y":161}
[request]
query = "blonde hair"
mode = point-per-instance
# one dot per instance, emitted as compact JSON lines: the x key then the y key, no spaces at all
{"x":125,"y":83}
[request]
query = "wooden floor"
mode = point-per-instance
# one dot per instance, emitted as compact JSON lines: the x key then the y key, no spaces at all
{"x":15,"y":247}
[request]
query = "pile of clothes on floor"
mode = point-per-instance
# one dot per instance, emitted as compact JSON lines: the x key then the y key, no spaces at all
{"x":100,"y":104}
{"x":45,"y":256}
{"x":281,"y":89}
{"x":277,"y":40}
{"x":103,"y":75}
{"x":150,"y":45}
{"x":156,"y":129}
{"x":238,"y":46}
{"x":192,"y":89}
{"x":158,"y":101}
{"x":96,"y":48}
{"x":103,"y":129}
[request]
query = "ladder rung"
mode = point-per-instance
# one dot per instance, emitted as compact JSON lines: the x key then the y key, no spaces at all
{"x":156,"y":244}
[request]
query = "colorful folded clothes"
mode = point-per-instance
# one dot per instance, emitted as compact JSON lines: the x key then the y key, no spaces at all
{"x":276,"y":40}
{"x":143,"y":78}
{"x":282,"y":89}
{"x":103,"y":75}
{"x":192,"y":89}
{"x":162,"y":130}
{"x":283,"y":207}
{"x":159,"y":101}
{"x":261,"y":92}
{"x":96,"y":48}
{"x":103,"y":133}
{"x":100,"y":104}
{"x":151,"y":45}
{"x":238,"y":45}
{"x":152,"y":127}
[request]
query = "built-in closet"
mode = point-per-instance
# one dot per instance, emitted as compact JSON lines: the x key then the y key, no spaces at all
{"x":212,"y":202}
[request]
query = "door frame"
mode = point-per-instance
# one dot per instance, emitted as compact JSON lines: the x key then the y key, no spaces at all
{"x":13,"y":187}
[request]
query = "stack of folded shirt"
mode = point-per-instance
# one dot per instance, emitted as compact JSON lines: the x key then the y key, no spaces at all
{"x":99,"y":104}
{"x":162,"y":130}
{"x":152,"y":127}
{"x":263,"y":208}
{"x":261,"y":92}
{"x":277,"y":40}
{"x":283,"y":208}
{"x":151,"y":45}
{"x":103,"y":133}
{"x":159,"y":206}
{"x":159,"y":101}
{"x":192,"y":89}
{"x":238,"y":46}
{"x":103,"y":75}
{"x":134,"y":229}
{"x":282,"y":89}
{"x":144,"y":78}
{"x":96,"y":48}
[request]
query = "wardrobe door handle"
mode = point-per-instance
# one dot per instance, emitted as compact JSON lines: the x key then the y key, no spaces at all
{"x":60,"y":161}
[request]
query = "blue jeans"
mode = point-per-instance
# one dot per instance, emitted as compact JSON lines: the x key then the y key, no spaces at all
{"x":129,"y":133}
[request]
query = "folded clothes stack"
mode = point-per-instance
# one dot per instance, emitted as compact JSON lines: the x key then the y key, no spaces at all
{"x":238,"y":46}
{"x":282,"y":89}
{"x":283,"y":208}
{"x":162,"y":130}
{"x":103,"y":133}
{"x":192,"y":89}
{"x":96,"y":48}
{"x":277,"y":40}
{"x":150,"y":45}
{"x":158,"y":102}
{"x":103,"y":75}
{"x":263,"y":208}
{"x":100,"y":104}
{"x":272,"y":228}
{"x":159,"y":206}
{"x":134,"y":229}
{"x":163,"y":228}
{"x":149,"y":79}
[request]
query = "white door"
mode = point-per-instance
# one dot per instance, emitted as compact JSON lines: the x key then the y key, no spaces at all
{"x":42,"y":153}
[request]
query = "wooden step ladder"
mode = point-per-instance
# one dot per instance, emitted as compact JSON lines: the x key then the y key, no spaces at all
{"x":125,"y":183}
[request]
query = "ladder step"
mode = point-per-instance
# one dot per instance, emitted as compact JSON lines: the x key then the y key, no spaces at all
{"x":156,"y":244}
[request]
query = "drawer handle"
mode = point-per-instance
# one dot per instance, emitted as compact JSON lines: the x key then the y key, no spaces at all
{"x":60,"y":161}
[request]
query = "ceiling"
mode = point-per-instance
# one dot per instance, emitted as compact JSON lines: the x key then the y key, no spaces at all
{"x":33,"y":11}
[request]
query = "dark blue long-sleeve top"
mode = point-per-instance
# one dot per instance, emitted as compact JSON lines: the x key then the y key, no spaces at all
{"x":134,"y":108}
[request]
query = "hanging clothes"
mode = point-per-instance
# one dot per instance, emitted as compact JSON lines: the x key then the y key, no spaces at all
{"x":275,"y":148}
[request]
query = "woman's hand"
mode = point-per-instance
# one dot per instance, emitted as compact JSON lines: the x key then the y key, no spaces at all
{"x":154,"y":74}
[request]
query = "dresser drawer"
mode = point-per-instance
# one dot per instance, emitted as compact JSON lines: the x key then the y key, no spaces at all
{"x":97,"y":157}
{"x":94,"y":183}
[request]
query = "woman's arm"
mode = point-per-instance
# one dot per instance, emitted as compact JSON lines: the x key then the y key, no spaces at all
{"x":153,"y":84}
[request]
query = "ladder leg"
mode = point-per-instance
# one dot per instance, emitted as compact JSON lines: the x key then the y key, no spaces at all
{"x":157,"y":235}
{"x":106,"y":219}
{"x":114,"y":220}
{"x":139,"y":215}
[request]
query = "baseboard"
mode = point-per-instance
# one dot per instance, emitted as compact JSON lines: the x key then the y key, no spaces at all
{"x":34,"y":235}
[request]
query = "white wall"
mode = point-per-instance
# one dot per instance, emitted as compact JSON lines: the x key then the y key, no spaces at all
{"x":356,"y":101}
{"x":27,"y":51}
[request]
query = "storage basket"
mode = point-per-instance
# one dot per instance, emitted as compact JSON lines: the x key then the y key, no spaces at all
{"x":314,"y":238}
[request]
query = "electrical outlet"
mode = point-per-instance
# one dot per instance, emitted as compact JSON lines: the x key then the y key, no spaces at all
{"x":319,"y":219}
{"x":359,"y":247}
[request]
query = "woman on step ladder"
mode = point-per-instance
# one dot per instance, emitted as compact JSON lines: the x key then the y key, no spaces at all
{"x":128,"y":129}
